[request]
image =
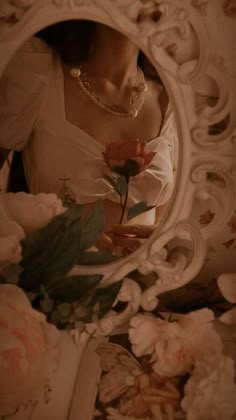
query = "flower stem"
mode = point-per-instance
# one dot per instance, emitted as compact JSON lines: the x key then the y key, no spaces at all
{"x":123,"y":205}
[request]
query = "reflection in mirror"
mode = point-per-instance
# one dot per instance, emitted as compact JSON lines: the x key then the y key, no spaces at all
{"x":88,"y":118}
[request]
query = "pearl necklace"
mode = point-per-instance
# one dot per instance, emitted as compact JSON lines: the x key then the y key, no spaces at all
{"x":134,"y":103}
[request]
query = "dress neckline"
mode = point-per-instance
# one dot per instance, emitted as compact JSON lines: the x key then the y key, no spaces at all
{"x":61,"y":93}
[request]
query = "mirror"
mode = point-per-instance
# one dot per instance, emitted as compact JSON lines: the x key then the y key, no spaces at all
{"x":182,"y":42}
{"x":194,"y":239}
{"x":90,"y":119}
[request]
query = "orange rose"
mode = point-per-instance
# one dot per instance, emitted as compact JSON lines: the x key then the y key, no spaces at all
{"x":128,"y":158}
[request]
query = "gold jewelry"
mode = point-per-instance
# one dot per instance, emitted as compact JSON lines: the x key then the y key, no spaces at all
{"x":134,"y":102}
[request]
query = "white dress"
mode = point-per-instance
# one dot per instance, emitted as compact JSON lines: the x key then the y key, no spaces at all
{"x":32,"y":120}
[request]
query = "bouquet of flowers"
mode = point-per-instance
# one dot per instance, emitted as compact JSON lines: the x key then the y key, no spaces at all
{"x":41,"y":260}
{"x":185,"y":366}
{"x":40,"y":242}
{"x":176,"y":369}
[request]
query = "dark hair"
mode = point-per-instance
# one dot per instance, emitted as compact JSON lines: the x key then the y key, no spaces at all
{"x":72,"y":40}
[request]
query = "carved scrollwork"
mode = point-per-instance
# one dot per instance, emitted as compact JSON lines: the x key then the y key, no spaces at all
{"x":12,"y":11}
{"x":200,"y":5}
{"x":130,"y":293}
{"x":214,"y":182}
{"x":216,"y":123}
{"x":180,"y":24}
{"x":175,"y":265}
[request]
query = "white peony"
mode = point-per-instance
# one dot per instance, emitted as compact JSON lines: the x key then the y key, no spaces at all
{"x":144,"y":331}
{"x":210,"y":393}
{"x":10,"y":235}
{"x":28,"y":349}
{"x":227,"y":286}
{"x":229,"y":317}
{"x":174,"y":346}
{"x":30,"y":211}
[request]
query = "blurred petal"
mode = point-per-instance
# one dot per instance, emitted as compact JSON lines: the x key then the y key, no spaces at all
{"x":227,"y":286}
{"x":229,"y":317}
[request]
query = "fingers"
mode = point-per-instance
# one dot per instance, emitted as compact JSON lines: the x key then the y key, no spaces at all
{"x":104,"y":242}
{"x":116,"y":243}
{"x":127,"y":237}
{"x":140,"y":231}
{"x":125,"y":242}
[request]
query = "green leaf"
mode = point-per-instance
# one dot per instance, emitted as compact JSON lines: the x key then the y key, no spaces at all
{"x":38,"y":243}
{"x":72,"y":288}
{"x":57,"y":260}
{"x":52,"y":250}
{"x":119,"y":184}
{"x":122,"y":185}
{"x":104,"y":298}
{"x":66,"y":252}
{"x":96,"y":257}
{"x":137,"y":209}
{"x":92,"y":227}
{"x":41,"y":242}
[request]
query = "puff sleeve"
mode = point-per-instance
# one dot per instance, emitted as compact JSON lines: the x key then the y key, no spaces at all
{"x":155,"y":184}
{"x":22,"y":91}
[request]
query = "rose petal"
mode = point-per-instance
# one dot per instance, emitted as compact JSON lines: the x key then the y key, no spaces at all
{"x":28,"y":349}
{"x":11,"y":293}
{"x":116,"y":163}
{"x":229,"y":317}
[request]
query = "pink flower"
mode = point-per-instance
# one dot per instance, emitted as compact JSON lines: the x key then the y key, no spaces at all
{"x":10,"y":235}
{"x":174,"y":346}
{"x":127,"y":158}
{"x":210,"y":391}
{"x":32,"y":211}
{"x":227,"y":286}
{"x":28,"y":349}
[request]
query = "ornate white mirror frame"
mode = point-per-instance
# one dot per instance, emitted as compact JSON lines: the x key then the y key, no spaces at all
{"x":178,"y":37}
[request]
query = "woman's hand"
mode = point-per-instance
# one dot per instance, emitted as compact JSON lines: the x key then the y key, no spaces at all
{"x":120,"y":238}
{"x":130,"y":237}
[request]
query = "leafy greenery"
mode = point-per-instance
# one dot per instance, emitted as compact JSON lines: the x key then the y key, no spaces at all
{"x":96,"y":257}
{"x":118,"y":183}
{"x":48,"y":256}
{"x":137,"y":209}
{"x":121,"y":185}
{"x":100,"y":302}
{"x":52,"y":251}
{"x":72,"y":288}
{"x":92,"y":227}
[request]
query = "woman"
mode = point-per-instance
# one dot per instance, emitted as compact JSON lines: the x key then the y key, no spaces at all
{"x":62,"y":102}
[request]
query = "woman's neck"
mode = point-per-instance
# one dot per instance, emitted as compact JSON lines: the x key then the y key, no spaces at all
{"x":114,"y":56}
